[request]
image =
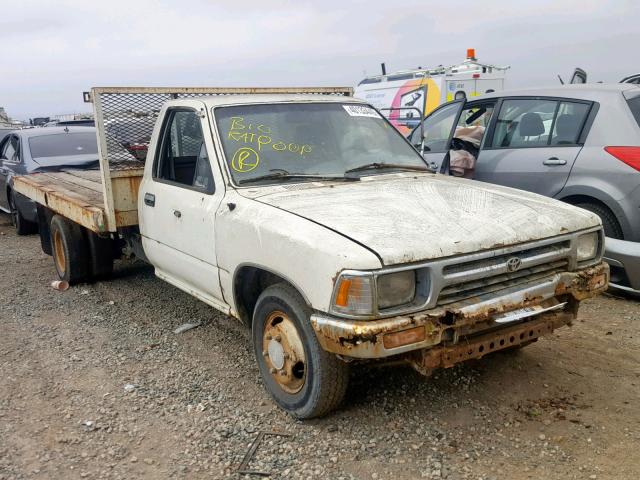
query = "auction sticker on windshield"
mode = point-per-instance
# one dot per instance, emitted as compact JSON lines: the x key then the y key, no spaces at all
{"x":361,"y":111}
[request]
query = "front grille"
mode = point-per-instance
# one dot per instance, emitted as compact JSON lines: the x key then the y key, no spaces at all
{"x":478,"y":276}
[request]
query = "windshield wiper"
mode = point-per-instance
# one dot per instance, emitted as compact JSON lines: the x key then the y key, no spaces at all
{"x":381,"y":166}
{"x":277,"y":174}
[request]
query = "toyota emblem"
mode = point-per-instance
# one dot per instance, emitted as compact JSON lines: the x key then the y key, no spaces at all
{"x":513,"y":264}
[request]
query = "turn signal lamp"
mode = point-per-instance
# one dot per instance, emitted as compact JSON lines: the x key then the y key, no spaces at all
{"x":354,"y":295}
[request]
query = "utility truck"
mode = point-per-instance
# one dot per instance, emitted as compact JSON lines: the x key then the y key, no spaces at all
{"x":307,"y":216}
{"x":406,"y":96}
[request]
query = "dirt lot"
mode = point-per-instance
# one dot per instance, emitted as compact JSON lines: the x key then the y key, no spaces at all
{"x":95,"y":384}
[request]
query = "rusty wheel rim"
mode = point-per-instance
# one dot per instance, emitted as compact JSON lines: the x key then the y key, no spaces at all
{"x":283,"y":352}
{"x":59,"y":253}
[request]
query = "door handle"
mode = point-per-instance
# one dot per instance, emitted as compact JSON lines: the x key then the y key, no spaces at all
{"x":4,"y":170}
{"x":554,"y":161}
{"x":177,"y":213}
{"x":150,"y":199}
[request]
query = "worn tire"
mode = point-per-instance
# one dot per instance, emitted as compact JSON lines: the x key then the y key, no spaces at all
{"x":100,"y":255}
{"x":609,"y":221}
{"x":325,"y":376}
{"x":70,"y":250}
{"x":44,"y":230}
{"x":23,"y":226}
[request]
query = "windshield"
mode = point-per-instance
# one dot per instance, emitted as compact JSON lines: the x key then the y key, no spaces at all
{"x":325,"y":139}
{"x":64,"y":145}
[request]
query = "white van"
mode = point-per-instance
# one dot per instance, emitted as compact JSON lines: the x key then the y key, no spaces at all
{"x":406,"y":96}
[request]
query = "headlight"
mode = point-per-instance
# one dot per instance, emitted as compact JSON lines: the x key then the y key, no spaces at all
{"x":354,"y":294}
{"x":587,"y":246}
{"x":396,"y":289}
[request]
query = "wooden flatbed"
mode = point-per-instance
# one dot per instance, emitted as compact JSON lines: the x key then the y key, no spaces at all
{"x":79,"y":195}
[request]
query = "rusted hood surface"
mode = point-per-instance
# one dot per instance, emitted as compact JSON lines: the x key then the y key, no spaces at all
{"x":409,"y":217}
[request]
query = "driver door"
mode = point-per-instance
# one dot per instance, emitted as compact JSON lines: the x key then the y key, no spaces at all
{"x":177,"y":204}
{"x":432,"y":137}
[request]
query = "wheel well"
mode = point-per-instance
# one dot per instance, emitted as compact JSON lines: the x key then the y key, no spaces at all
{"x":248,"y":284}
{"x":576,"y":199}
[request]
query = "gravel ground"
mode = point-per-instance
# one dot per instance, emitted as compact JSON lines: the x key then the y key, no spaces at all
{"x":95,"y":384}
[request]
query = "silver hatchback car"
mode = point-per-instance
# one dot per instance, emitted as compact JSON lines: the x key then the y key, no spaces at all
{"x":576,"y":143}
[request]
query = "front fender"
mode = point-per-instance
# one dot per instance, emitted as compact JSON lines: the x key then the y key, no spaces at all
{"x":308,"y":255}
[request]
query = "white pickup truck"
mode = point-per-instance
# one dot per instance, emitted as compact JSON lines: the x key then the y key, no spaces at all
{"x":306,"y":215}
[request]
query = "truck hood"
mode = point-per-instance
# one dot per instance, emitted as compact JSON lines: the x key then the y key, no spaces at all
{"x":407,"y":217}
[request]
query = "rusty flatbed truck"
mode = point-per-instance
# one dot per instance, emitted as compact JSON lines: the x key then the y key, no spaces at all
{"x":306,"y":215}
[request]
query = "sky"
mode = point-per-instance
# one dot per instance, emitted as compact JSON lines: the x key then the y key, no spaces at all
{"x":52,"y":51}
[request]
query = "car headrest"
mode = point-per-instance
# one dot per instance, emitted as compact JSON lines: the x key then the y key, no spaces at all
{"x":566,"y":125}
{"x":531,"y":125}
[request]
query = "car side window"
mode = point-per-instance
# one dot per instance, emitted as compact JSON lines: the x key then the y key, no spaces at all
{"x":524,"y":123}
{"x":10,"y":151}
{"x":473,"y":123}
{"x":183,"y":157}
{"x":568,"y":123}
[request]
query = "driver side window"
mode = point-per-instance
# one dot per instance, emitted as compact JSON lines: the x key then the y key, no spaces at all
{"x":10,"y":151}
{"x":183,"y":158}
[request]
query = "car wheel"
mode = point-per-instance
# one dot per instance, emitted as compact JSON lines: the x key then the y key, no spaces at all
{"x":70,"y":250}
{"x":609,"y":222}
{"x":23,"y":226}
{"x":303,"y":379}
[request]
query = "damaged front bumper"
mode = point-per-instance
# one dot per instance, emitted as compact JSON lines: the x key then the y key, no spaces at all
{"x":548,"y":303}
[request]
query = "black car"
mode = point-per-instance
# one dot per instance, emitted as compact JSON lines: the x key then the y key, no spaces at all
{"x":39,"y":150}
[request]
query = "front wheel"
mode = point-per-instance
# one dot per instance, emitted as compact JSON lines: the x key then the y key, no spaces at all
{"x":302,"y":378}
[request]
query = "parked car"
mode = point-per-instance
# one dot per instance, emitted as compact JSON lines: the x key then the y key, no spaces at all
{"x":133,"y":133}
{"x":81,"y":122}
{"x":311,"y":219}
{"x":38,"y":150}
{"x":576,"y":143}
{"x":631,"y":79}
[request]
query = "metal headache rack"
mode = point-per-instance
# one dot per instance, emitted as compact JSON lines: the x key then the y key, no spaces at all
{"x":125,"y":118}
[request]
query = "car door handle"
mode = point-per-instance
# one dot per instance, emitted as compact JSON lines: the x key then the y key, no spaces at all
{"x":177,"y":213}
{"x":554,"y":161}
{"x":150,"y":199}
{"x":4,"y":170}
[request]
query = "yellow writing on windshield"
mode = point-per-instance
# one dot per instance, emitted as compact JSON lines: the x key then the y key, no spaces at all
{"x":245,"y":159}
{"x":261,"y":135}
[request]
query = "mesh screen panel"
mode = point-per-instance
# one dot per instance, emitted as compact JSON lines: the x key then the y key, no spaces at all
{"x":128,"y":115}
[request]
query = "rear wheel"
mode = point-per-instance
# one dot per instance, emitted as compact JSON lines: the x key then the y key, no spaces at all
{"x":23,"y":226}
{"x":70,"y":250}
{"x":302,"y":378}
{"x":609,"y":221}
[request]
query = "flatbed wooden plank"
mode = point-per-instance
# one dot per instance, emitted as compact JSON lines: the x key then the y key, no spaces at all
{"x":73,"y":180}
{"x":85,"y":209}
{"x":90,"y":175}
{"x":55,"y":182}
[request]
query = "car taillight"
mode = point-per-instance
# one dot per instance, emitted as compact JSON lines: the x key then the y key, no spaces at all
{"x":629,"y":155}
{"x":137,"y":146}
